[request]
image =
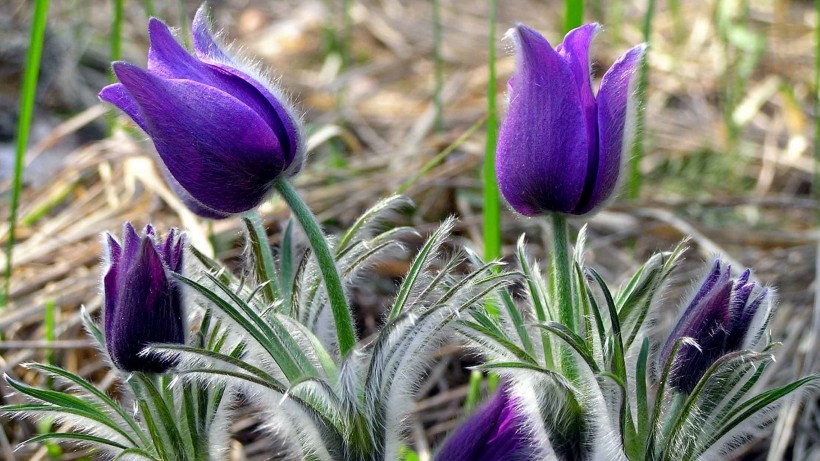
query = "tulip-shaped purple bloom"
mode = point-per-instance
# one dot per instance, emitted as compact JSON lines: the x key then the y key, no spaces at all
{"x":223,"y":136}
{"x":494,"y":432}
{"x":719,"y":318}
{"x":560,"y":147}
{"x":143,"y":304}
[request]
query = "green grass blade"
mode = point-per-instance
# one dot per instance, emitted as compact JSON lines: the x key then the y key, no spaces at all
{"x":492,"y":202}
{"x":27,"y":96}
{"x":438,"y":104}
{"x":574,"y":14}
{"x":634,"y":188}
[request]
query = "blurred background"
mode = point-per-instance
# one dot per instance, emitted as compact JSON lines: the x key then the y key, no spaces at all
{"x":394,"y":95}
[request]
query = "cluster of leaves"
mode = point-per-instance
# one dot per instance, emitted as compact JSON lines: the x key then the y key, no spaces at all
{"x":169,"y":421}
{"x":277,"y":348}
{"x":604,"y":393}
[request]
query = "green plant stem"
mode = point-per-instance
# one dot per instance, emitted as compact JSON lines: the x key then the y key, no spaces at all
{"x":148,"y":5}
{"x":263,"y":256}
{"x":561,"y":275}
{"x":474,"y":390}
{"x":492,"y":203}
{"x":574,"y":14}
{"x":116,"y":34}
{"x":29,"y":90}
{"x":637,"y":147}
{"x":439,"y":73}
{"x":342,"y":316}
{"x":561,"y":267}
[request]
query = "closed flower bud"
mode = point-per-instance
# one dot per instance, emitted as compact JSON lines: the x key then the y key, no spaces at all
{"x":222,"y":134}
{"x":721,"y":318}
{"x":495,"y":432}
{"x":143,"y":304}
{"x":560,"y":148}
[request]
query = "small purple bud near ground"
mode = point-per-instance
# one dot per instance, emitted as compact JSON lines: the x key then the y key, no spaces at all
{"x":143,"y":304}
{"x":223,"y":136}
{"x":495,"y":432}
{"x":560,"y":147}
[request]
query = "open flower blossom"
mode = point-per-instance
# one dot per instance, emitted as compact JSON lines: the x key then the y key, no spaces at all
{"x":143,"y":304}
{"x":495,"y":432}
{"x":560,"y":147}
{"x":223,"y":136}
{"x":724,"y":316}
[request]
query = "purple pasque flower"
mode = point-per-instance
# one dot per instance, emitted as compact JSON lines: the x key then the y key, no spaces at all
{"x":560,"y":148}
{"x":223,"y":136}
{"x":143,"y":304}
{"x":495,"y":432}
{"x":720,"y":318}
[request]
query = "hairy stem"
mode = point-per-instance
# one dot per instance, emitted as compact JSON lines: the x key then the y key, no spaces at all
{"x":342,"y":316}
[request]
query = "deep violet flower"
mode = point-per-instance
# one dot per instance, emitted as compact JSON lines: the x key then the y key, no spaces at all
{"x":721,"y":318}
{"x":560,"y":147}
{"x":143,"y":304}
{"x":223,"y":136}
{"x":495,"y":432}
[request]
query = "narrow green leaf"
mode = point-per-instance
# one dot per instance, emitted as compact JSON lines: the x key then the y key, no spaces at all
{"x":262,"y":254}
{"x":572,"y":340}
{"x":74,"y":437}
{"x":421,"y":261}
{"x":27,"y":97}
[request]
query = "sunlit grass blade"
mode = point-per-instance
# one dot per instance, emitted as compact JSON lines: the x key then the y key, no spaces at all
{"x":438,"y":68}
{"x":573,"y":15}
{"x":27,"y":95}
{"x":492,"y":204}
{"x":637,"y":149}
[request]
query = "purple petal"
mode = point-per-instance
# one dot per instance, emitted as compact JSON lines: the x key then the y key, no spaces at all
{"x":168,"y":59}
{"x":740,"y":327}
{"x":217,"y":148}
{"x":190,"y":202}
{"x":706,"y":286}
{"x":177,"y":253}
{"x":493,"y":433}
{"x":614,"y":101}
{"x":204,"y":44}
{"x":575,"y":51}
{"x":543,"y":150}
{"x":110,"y":294}
{"x":710,"y":328}
{"x":282,"y":121}
{"x":117,"y":95}
{"x":130,"y":244}
{"x":167,"y":247}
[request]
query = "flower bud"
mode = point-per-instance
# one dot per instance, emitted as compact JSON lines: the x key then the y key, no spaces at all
{"x":720,"y":318}
{"x":495,"y":432}
{"x":143,"y":304}
{"x":560,"y":147}
{"x":223,"y":135}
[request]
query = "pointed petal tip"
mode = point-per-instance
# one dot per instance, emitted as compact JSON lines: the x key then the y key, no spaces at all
{"x":110,"y":93}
